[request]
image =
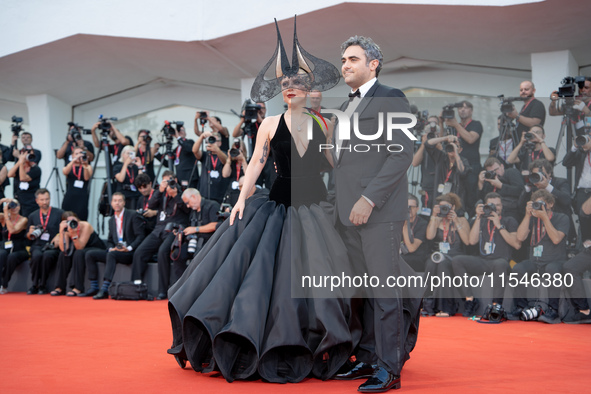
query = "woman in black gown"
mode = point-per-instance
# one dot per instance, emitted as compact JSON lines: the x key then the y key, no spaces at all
{"x":77,"y":172}
{"x":233,"y":309}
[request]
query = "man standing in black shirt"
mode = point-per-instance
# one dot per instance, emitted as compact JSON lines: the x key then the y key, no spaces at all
{"x":547,"y":252}
{"x":185,"y":165}
{"x":532,"y":146}
{"x":27,"y":176}
{"x":533,"y":112}
{"x":44,"y":224}
{"x":212,"y":184}
{"x":74,"y":140}
{"x":216,"y":127}
{"x":171,"y":209}
{"x":496,"y":237}
{"x":507,"y":182}
{"x":27,"y":140}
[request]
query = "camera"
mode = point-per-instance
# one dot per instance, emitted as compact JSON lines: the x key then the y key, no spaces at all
{"x":490,"y":174}
{"x":448,"y":110}
{"x":192,"y":246}
{"x":12,"y":205}
{"x":251,"y":111}
{"x":75,"y":131}
{"x":222,"y":214}
{"x":582,"y":140}
{"x":529,"y":146}
{"x":488,"y":209}
{"x":30,"y":153}
{"x":568,"y":88}
{"x":444,"y":210}
{"x":507,"y":102}
{"x":202,"y":117}
{"x":531,"y":313}
{"x":537,"y":205}
{"x":494,"y":313}
{"x":528,"y":136}
{"x":172,"y":183}
{"x":169,"y":131}
{"x":121,"y":245}
{"x":73,"y":224}
{"x":171,"y":226}
{"x":235,"y":151}
{"x":147,"y":136}
{"x":449,"y":147}
{"x":536,"y":177}
{"x":35,"y":234}
{"x":141,"y":211}
{"x":211,"y":140}
{"x":105,"y":126}
{"x":84,"y":157}
{"x":16,"y":127}
{"x":437,"y":257}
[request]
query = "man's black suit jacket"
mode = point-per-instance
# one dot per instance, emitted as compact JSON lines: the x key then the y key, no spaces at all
{"x":133,"y":230}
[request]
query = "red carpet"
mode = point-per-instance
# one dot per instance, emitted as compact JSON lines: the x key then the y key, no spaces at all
{"x":67,"y":345}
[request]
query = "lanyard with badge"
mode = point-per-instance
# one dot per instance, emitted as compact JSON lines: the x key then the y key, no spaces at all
{"x":541,"y":233}
{"x":445,"y":187}
{"x":236,"y":184}
{"x":8,"y":244}
{"x":78,"y":182}
{"x":45,"y":235}
{"x":163,"y":212}
{"x":489,"y":247}
{"x":444,"y":246}
{"x":131,"y":177}
{"x":214,"y":174}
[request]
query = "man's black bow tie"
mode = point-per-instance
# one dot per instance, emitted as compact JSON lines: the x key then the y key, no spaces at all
{"x":357,"y":93}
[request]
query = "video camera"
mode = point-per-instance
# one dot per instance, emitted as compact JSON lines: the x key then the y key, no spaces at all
{"x":202,"y":117}
{"x":169,"y":130}
{"x":76,"y":131}
{"x":105,"y":125}
{"x":448,"y":110}
{"x":568,"y":88}
{"x":16,"y":126}
{"x":507,"y":102}
{"x":235,"y":151}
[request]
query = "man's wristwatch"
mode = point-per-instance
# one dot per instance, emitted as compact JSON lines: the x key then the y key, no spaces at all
{"x":502,"y":227}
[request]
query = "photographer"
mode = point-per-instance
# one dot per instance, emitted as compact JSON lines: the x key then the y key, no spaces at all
{"x":415,"y":247}
{"x":533,"y":112}
{"x":547,"y":251}
{"x":496,"y":237}
{"x":78,"y":171}
{"x":234,"y":169}
{"x":507,"y":182}
{"x":14,"y":250}
{"x":75,"y":239}
{"x":428,"y":186}
{"x":144,"y":186}
{"x":74,"y":140}
{"x":3,"y":179}
{"x":185,"y":165}
{"x":43,"y":227}
{"x":202,"y":117}
{"x":580,"y":158}
{"x":531,"y":147}
{"x":582,"y":102}
{"x":212,"y":184}
{"x":146,"y":153}
{"x":27,"y":176}
{"x":125,"y":174}
{"x":578,"y":265}
{"x":126,"y":233}
{"x":27,"y":140}
{"x":171,"y":209}
{"x":450,"y":168}
{"x":119,"y":140}
{"x":501,"y":149}
{"x":449,"y":233}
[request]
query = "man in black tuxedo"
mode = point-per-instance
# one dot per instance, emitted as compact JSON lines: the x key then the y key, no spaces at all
{"x":126,"y":233}
{"x":371,"y":207}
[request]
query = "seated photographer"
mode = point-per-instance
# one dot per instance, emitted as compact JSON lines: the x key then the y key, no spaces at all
{"x":78,"y":172}
{"x":496,"y":237}
{"x":547,"y":252}
{"x":502,"y":146}
{"x":451,"y":169}
{"x":234,"y":169}
{"x":44,"y":224}
{"x":75,"y":239}
{"x":580,"y":158}
{"x":144,"y":186}
{"x":27,"y":176}
{"x":14,"y":240}
{"x":577,"y":267}
{"x":531,"y":147}
{"x":126,"y":233}
{"x":428,"y":186}
{"x":202,"y":117}
{"x":415,"y":247}
{"x":212,"y":184}
{"x":125,"y":173}
{"x":449,"y":233}
{"x":171,"y":209}
{"x":27,"y":140}
{"x":74,"y":140}
{"x":507,"y":182}
{"x":119,"y":140}
{"x":147,"y":153}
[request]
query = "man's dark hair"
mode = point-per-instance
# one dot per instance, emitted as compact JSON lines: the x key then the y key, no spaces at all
{"x":66,"y":214}
{"x":414,"y":198}
{"x":168,"y":173}
{"x":491,"y":161}
{"x":541,"y":163}
{"x":41,"y":190}
{"x":27,"y":133}
{"x":467,"y":104}
{"x":371,"y":49}
{"x":544,"y":195}
{"x":491,"y":195}
{"x":142,"y":179}
{"x":218,"y":119}
{"x":118,"y":194}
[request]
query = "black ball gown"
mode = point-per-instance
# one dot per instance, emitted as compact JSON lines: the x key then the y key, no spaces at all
{"x":233,"y":311}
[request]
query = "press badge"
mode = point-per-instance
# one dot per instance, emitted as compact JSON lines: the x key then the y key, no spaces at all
{"x":538,"y":250}
{"x":176,"y":162}
{"x":79,"y":184}
{"x":133,"y":188}
{"x":425,"y":211}
{"x":444,"y":188}
{"x":24,"y":186}
{"x":45,"y":237}
{"x":114,"y":160}
{"x":489,"y":248}
{"x":235,"y":185}
{"x":8,"y":245}
{"x":162,"y":216}
{"x":214,"y":174}
{"x":444,"y":247}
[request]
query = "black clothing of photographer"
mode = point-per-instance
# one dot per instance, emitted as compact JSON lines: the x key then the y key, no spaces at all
{"x":74,"y":140}
{"x":202,"y":117}
{"x":146,"y":153}
{"x":126,"y":233}
{"x":125,"y":173}
{"x":531,"y":147}
{"x":212,"y":185}
{"x":144,"y":186}
{"x":43,"y":227}
{"x":119,"y":140}
{"x":547,"y":252}
{"x":580,"y":158}
{"x":234,"y":169}
{"x":27,"y":140}
{"x":533,"y":112}
{"x":185,"y":163}
{"x":428,"y":165}
{"x":171,"y":209}
{"x":507,"y":182}
{"x":27,"y":176}
{"x":14,"y":241}
{"x":78,"y":172}
{"x":496,"y":237}
{"x":414,"y":247}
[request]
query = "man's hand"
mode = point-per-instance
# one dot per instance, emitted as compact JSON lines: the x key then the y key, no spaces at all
{"x":495,"y":219}
{"x":543,"y":183}
{"x":190,"y":230}
{"x":150,"y":213}
{"x":360,"y":212}
{"x":495,"y":182}
{"x":543,"y":214}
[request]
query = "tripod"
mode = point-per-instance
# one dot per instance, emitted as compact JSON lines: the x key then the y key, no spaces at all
{"x":58,"y":183}
{"x":507,"y":128}
{"x":104,"y":149}
{"x":168,"y":155}
{"x":567,"y":125}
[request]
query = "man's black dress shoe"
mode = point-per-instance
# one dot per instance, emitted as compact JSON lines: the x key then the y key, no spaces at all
{"x":89,"y":293}
{"x":32,"y":290}
{"x":42,"y":290}
{"x":161,"y":296}
{"x":101,"y":295}
{"x":358,"y":370}
{"x":380,"y":382}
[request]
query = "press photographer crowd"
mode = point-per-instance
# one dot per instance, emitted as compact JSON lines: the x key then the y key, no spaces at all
{"x":505,"y":215}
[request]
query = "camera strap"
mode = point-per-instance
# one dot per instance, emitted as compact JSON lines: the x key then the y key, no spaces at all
{"x":130,"y":175}
{"x":148,"y":200}
{"x":79,"y":175}
{"x":44,"y":225}
{"x":540,"y":229}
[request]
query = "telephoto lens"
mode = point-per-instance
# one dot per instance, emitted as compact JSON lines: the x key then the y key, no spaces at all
{"x":211,"y":140}
{"x":536,"y":177}
{"x":73,"y":224}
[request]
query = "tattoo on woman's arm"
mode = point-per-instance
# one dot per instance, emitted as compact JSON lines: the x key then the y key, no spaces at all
{"x":265,"y":152}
